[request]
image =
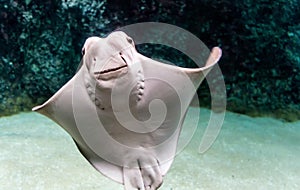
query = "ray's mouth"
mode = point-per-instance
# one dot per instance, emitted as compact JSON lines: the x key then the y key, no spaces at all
{"x":109,"y":70}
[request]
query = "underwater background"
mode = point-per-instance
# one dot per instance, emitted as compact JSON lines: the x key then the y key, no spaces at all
{"x":40,"y":49}
{"x":41,"y":43}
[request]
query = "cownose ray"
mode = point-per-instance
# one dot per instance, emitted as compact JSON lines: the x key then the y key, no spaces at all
{"x":124,"y":111}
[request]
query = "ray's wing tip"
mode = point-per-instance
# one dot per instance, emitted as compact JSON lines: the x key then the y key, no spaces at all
{"x":216,"y":54}
{"x":36,"y":108}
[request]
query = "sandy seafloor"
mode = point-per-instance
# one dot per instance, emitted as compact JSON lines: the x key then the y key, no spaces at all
{"x":249,"y":153}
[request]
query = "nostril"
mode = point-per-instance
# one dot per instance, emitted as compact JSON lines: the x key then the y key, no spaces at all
{"x":83,"y":51}
{"x":123,"y":58}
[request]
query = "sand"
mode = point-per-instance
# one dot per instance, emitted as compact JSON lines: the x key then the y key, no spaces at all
{"x":249,"y":153}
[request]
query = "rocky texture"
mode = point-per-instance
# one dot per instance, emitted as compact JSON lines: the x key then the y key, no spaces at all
{"x":41,"y":44}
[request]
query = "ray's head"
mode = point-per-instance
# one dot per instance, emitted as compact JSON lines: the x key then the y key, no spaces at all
{"x":108,"y":58}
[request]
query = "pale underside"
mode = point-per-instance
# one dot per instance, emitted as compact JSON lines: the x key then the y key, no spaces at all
{"x":123,"y":137}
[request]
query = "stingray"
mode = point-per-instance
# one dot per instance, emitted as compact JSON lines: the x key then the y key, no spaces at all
{"x":124,"y":110}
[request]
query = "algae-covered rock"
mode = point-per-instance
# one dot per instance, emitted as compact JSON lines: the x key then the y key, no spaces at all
{"x":40,"y":45}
